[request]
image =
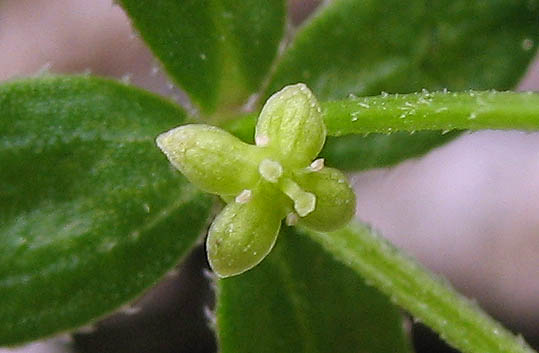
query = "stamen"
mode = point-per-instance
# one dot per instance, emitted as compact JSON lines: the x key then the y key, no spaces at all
{"x":261,"y":140}
{"x":270,"y":170}
{"x":317,"y":165}
{"x":291,"y":219}
{"x":244,"y":196}
{"x":304,"y":202}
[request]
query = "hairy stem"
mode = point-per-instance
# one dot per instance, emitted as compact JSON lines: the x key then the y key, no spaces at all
{"x":387,"y":113}
{"x":458,"y":320}
{"x":470,"y":110}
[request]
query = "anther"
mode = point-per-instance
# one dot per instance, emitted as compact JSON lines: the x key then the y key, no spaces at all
{"x":304,"y":202}
{"x":244,"y":196}
{"x":261,"y":140}
{"x":291,"y":219}
{"x":317,"y":165}
{"x":270,"y":170}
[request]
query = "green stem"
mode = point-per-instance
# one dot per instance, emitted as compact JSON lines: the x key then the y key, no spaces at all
{"x":431,"y":300}
{"x":468,"y":110}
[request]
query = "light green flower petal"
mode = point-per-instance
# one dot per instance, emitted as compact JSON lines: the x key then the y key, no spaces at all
{"x":335,"y":199}
{"x":291,"y":125}
{"x":243,"y":234}
{"x":211,"y":158}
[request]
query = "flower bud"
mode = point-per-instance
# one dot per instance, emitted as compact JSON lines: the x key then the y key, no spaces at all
{"x":242,"y":235}
{"x":291,"y":125}
{"x":263,"y":183}
{"x":211,"y":158}
{"x":335,"y":199}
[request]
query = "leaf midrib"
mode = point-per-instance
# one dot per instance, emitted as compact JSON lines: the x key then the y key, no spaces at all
{"x":25,"y":143}
{"x":188,"y":194}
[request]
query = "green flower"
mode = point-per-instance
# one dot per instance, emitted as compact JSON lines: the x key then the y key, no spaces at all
{"x":263,"y":183}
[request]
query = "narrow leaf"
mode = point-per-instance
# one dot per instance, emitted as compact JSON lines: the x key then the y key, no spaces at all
{"x":217,"y":50}
{"x":90,"y":212}
{"x":301,"y":300}
{"x":432,"y":300}
{"x":365,"y":47}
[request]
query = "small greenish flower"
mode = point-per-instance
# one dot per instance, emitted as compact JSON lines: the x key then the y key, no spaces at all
{"x":263,"y":184}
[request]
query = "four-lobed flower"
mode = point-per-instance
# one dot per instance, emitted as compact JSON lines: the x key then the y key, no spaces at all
{"x":265,"y":183}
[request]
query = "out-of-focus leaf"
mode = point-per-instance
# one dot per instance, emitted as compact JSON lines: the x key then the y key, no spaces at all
{"x":300,"y":299}
{"x":355,"y":153}
{"x":365,"y":47}
{"x":243,"y":127}
{"x":217,"y":50}
{"x":90,"y":212}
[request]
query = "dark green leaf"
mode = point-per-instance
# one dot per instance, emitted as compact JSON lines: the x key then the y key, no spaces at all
{"x":365,"y":47}
{"x":355,"y":153}
{"x":301,"y":300}
{"x":217,"y":50}
{"x":243,"y":127}
{"x":90,"y":212}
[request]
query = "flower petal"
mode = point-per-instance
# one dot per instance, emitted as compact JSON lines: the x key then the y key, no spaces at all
{"x":291,"y":125}
{"x":242,"y":235}
{"x":211,"y":158}
{"x":335,"y":199}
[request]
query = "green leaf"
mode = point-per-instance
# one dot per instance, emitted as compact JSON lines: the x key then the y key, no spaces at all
{"x":301,"y":300}
{"x":365,"y":47}
{"x":91,"y":214}
{"x":432,"y":300}
{"x":217,"y":50}
{"x":243,"y":127}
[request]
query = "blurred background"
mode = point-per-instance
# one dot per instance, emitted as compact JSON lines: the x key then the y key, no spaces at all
{"x":468,"y":210}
